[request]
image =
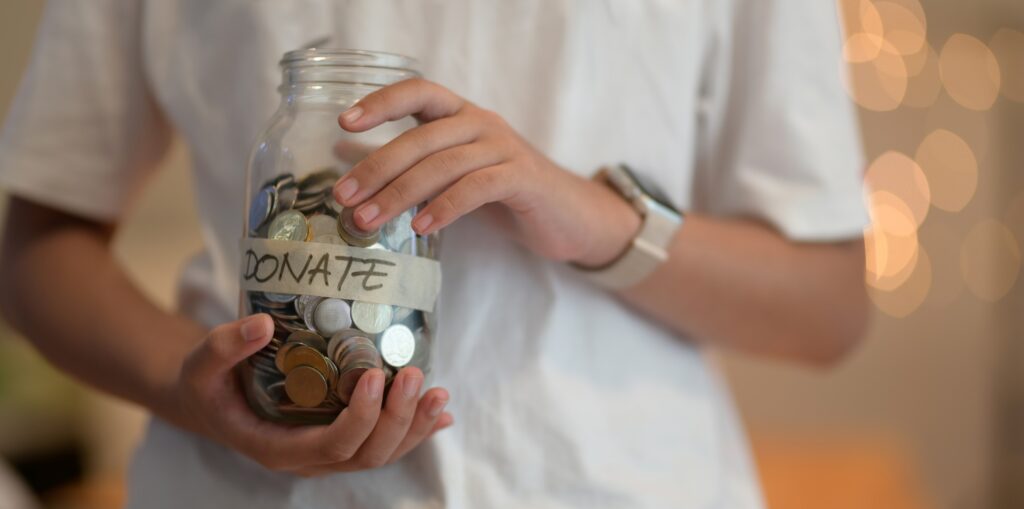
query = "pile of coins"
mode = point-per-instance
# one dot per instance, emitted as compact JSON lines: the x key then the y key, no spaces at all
{"x":321,"y":346}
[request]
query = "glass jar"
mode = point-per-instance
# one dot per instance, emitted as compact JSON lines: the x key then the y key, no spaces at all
{"x":342,"y":300}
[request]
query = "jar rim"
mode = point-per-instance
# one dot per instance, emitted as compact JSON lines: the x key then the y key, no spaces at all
{"x":348,"y":58}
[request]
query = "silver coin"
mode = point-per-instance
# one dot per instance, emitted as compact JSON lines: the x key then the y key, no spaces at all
{"x":282,"y":298}
{"x":397,"y":345}
{"x":397,"y":230}
{"x":289,"y":225}
{"x":303,"y":301}
{"x":401,"y":313}
{"x":370,"y":317}
{"x":332,"y":205}
{"x":330,"y":238}
{"x":322,"y":224}
{"x":307,"y":312}
{"x":332,"y":316}
{"x":287,"y":193}
{"x":320,"y":181}
{"x":262,"y":208}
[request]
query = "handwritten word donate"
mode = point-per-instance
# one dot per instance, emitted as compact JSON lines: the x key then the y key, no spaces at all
{"x":328,"y":270}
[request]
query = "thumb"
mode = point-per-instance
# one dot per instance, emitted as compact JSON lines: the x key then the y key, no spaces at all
{"x":230,"y":343}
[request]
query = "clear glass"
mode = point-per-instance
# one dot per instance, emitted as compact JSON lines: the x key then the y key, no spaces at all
{"x":322,"y":341}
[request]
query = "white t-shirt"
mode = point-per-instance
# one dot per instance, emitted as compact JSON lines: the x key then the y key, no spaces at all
{"x":563,"y":396}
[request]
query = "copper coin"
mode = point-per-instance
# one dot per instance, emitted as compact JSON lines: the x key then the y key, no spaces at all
{"x":347,"y":383}
{"x":306,"y":387}
{"x":310,"y":339}
{"x":302,"y":355}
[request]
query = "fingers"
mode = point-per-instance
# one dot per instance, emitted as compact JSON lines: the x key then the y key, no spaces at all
{"x":417,"y":97}
{"x":470,"y":192}
{"x":228,"y":344}
{"x":381,"y":166}
{"x":423,"y":181}
{"x":343,"y":438}
{"x":394,"y":420}
{"x":429,"y":419}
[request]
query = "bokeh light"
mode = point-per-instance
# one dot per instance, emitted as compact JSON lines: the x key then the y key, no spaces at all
{"x":908,"y":296}
{"x":862,"y":47}
{"x":897,"y":175}
{"x":924,"y":84}
{"x":990,"y":260}
{"x":1008,"y":47}
{"x":891,"y":245}
{"x":878,"y":84}
{"x":970,"y":72}
{"x":951,"y":168}
{"x":861,"y":16}
{"x":903,"y":29}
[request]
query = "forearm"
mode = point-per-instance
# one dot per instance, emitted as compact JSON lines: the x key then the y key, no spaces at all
{"x":742,"y":285}
{"x":64,"y":290}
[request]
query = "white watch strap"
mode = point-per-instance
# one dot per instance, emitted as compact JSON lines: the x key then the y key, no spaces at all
{"x":648,"y":250}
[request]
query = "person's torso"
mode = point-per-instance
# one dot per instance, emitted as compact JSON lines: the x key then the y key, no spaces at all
{"x":563,"y":397}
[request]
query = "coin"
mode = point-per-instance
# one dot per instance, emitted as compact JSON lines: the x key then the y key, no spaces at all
{"x":282,"y":354}
{"x":401,"y":313}
{"x":262,"y":207}
{"x":358,"y":353}
{"x":320,"y":181}
{"x":287,"y":193}
{"x":306,"y":387}
{"x":332,"y":206}
{"x":330,"y":238}
{"x":397,"y":345}
{"x":322,"y":224}
{"x":353,"y":235}
{"x":303,"y":301}
{"x":397,"y":231}
{"x":282,"y":298}
{"x":339,"y":338}
{"x":371,"y":317}
{"x":308,"y":338}
{"x":331,"y":316}
{"x":302,"y":355}
{"x":308,"y":308}
{"x":288,"y":225}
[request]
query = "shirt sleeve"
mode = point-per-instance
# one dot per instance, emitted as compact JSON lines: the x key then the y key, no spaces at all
{"x":779,"y":139}
{"x":83,"y":129}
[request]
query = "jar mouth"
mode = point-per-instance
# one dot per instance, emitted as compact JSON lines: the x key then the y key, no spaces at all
{"x":337,"y":57}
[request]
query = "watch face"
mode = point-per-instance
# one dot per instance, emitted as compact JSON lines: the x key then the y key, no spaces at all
{"x":650,"y":188}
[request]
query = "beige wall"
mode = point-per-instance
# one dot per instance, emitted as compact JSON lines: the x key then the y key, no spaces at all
{"x":926,"y":383}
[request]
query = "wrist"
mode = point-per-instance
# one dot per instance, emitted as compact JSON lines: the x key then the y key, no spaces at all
{"x":612,"y":226}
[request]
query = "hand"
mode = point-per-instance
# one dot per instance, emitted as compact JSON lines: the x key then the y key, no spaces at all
{"x":462,"y":157}
{"x":363,"y":436}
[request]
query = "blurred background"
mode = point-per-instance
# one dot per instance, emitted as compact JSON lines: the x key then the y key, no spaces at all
{"x":927,"y":414}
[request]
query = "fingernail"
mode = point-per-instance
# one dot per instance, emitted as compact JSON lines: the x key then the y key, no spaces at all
{"x":375,"y":385}
{"x":411,"y":386}
{"x":423,"y":222}
{"x":437,"y":406}
{"x":347,"y":188}
{"x":252,"y":328}
{"x":368,"y":212}
{"x":352,"y":114}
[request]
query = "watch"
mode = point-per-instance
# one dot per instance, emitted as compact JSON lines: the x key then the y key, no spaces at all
{"x":649,"y":248}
